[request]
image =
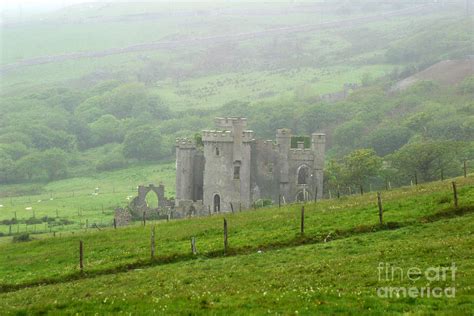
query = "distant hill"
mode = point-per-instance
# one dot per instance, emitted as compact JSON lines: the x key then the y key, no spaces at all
{"x":446,"y":72}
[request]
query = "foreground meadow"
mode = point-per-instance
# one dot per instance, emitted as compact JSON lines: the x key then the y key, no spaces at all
{"x":269,"y":265}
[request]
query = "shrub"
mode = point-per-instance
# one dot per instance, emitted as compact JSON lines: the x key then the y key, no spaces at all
{"x":22,"y":237}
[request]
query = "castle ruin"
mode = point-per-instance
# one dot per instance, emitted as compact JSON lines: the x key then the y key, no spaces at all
{"x":232,"y":169}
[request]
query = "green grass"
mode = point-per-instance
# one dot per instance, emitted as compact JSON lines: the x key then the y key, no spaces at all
{"x":51,"y":259}
{"x":75,"y":199}
{"x":321,"y":277}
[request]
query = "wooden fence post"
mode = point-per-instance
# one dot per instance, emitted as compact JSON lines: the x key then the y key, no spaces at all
{"x":455,"y":193}
{"x":316,"y":194}
{"x":152,"y":244}
{"x":416,"y":178}
{"x":232,"y":207}
{"x":225,"y":236}
{"x":115,"y":223}
{"x":379,"y":202}
{"x":302,"y":221}
{"x":144,"y":218}
{"x":209,"y":209}
{"x":279,"y":200}
{"x":81,"y":255}
{"x":465,"y":168}
{"x":361,"y":190}
{"x":193,"y":246}
{"x":240,"y":206}
{"x":10,"y":229}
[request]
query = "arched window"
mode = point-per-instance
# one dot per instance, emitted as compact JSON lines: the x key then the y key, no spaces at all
{"x":217,"y":203}
{"x":303,"y":175}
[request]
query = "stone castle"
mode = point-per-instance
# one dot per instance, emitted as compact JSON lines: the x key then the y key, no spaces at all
{"x":231,"y":169}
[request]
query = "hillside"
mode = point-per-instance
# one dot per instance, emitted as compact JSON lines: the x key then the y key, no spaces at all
{"x":447,"y":72}
{"x":269,"y":265}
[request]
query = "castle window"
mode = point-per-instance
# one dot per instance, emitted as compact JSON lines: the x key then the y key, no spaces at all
{"x":303,"y":175}
{"x":217,"y":151}
{"x":236,"y":172}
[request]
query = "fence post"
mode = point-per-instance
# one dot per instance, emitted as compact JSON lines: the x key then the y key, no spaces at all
{"x":379,"y":202}
{"x":193,"y":245}
{"x":153,"y":242}
{"x":115,"y":223}
{"x":144,"y":218}
{"x":225,"y":236}
{"x":361,"y":190}
{"x":209,"y":210}
{"x":416,"y":178}
{"x":10,"y":229}
{"x":279,"y":200}
{"x":81,"y":255}
{"x":316,"y":194}
{"x":302,"y":221}
{"x":455,"y":193}
{"x":232,"y":207}
{"x":240,"y":206}
{"x":465,"y":168}
{"x":15,"y":216}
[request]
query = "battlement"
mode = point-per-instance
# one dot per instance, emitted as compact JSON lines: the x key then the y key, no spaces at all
{"x":230,"y":122}
{"x":217,"y":136}
{"x":185,"y":143}
{"x":225,"y":136}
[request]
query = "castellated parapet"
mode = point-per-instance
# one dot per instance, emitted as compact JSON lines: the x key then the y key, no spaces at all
{"x":234,"y":170}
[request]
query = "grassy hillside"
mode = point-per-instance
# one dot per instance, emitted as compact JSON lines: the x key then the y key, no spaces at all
{"x":269,"y":265}
{"x":77,"y":200}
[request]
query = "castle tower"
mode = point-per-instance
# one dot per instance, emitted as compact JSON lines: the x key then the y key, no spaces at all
{"x":185,"y":153}
{"x":227,"y":153}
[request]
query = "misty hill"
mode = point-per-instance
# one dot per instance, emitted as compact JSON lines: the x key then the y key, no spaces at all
{"x":75,"y":99}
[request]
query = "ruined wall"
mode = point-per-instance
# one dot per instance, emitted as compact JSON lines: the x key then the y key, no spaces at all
{"x":265,"y":175}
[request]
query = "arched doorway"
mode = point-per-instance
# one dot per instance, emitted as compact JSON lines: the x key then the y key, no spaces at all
{"x":217,"y":203}
{"x":152,"y":200}
{"x":303,"y":174}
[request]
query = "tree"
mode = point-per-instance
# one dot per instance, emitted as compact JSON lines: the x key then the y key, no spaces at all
{"x":107,"y":129}
{"x":54,"y":162}
{"x":386,"y":140}
{"x":144,"y":143}
{"x":29,"y":165}
{"x":360,"y":165}
{"x":428,"y":160}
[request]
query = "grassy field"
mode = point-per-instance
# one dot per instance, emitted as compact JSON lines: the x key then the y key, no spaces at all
{"x":77,"y":200}
{"x":269,"y":266}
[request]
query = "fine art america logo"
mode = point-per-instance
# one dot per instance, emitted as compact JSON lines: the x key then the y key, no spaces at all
{"x":388,"y":273}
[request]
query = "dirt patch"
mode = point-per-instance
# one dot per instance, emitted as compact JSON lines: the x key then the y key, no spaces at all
{"x":446,"y":72}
